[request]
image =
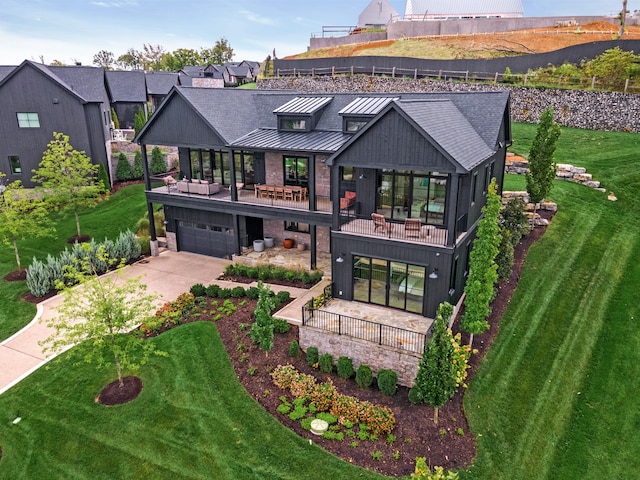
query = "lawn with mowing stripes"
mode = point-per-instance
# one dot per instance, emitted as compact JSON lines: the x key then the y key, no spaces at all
{"x":120,"y":212}
{"x":556,"y":396}
{"x":193,"y":420}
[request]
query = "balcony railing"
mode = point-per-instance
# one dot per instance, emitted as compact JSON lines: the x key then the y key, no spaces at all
{"x":374,"y":332}
{"x":393,"y":230}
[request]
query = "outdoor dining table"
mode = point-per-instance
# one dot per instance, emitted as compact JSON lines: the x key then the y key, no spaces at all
{"x":287,"y":192}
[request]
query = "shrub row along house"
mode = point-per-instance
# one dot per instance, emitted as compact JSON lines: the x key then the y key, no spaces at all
{"x":37,"y":100}
{"x":391,"y":186}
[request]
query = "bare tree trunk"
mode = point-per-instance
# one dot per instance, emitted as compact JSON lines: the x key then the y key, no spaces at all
{"x":119,"y":370}
{"x":471,"y":340}
{"x":623,"y":18}
{"x":77,"y":223}
{"x":15,"y":249}
{"x":435,"y":415}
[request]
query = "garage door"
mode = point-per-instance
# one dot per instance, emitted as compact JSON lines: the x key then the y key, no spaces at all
{"x":205,"y":239}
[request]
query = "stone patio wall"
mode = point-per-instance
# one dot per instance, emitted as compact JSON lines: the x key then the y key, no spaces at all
{"x":403,"y":363}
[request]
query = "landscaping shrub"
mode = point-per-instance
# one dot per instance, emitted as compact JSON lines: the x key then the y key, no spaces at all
{"x":283,"y":296}
{"x":280,"y":325}
{"x":224,"y":293}
{"x":323,"y":396}
{"x":294,"y":348}
{"x":284,"y":375}
{"x":142,"y":226}
{"x":54,"y":265}
{"x":238,"y":292}
{"x":312,"y":356}
{"x":123,"y":168}
{"x":103,"y":178}
{"x":158,"y":164}
{"x":325,"y":363}
{"x":387,"y":382}
{"x":253,"y":293}
{"x":213,"y":291}
{"x":39,"y":278}
{"x":364,"y":376}
{"x":198,"y":290}
{"x":414,"y":395}
{"x":138,"y":170}
{"x":145,"y":245}
{"x":345,"y":367}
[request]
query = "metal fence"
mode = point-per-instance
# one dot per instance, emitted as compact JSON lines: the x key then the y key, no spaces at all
{"x":374,"y":332}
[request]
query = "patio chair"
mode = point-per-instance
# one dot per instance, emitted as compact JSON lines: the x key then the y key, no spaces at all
{"x":288,"y":193}
{"x":379,"y":222}
{"x":412,"y":227}
{"x":271,"y":192}
{"x":279,"y":193}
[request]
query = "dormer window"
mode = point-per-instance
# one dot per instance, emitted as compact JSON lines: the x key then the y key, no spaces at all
{"x":352,"y":125}
{"x":358,"y":113}
{"x":296,"y":124}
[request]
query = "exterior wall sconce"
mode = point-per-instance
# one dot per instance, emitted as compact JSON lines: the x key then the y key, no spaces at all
{"x":434,"y":274}
{"x":362,"y":176}
{"x":340,"y":258}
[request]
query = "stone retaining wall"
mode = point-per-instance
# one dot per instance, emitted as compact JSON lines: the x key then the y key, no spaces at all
{"x":520,"y":165}
{"x":403,"y":363}
{"x":593,"y":110}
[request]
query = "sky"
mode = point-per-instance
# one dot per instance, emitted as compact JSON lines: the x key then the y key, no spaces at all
{"x":75,"y":30}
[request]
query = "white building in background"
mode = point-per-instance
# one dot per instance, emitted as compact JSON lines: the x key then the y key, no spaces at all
{"x":422,"y":10}
{"x":377,"y":14}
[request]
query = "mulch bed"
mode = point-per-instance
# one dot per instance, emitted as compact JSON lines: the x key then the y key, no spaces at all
{"x":114,"y":394}
{"x":16,"y":276}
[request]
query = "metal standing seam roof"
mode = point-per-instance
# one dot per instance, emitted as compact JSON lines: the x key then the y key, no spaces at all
{"x":272,"y":139}
{"x":303,"y":105}
{"x":366,"y":106}
{"x":463,"y":7}
{"x":448,"y":127}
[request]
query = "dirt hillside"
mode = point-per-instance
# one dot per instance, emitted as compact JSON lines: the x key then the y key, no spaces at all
{"x":481,"y":45}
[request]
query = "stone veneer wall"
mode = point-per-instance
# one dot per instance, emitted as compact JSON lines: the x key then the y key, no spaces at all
{"x":360,"y":351}
{"x":594,"y":110}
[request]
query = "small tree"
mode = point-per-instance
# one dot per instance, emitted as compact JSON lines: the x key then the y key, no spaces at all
{"x":67,"y":177}
{"x":103,"y":179}
{"x":123,"y":168}
{"x":114,"y":117}
{"x":104,"y":312}
{"x":262,"y":329}
{"x":138,"y":170}
{"x":515,"y":220}
{"x":158,"y":163}
{"x":482,"y":267}
{"x":542,"y":167}
{"x":139,"y":120}
{"x":435,"y":382}
{"x":22,"y":215}
{"x":505,"y":256}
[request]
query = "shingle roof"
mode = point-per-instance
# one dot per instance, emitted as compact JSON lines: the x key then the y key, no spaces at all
{"x":5,"y":70}
{"x":160,"y":83}
{"x":127,"y":86}
{"x":272,"y":139}
{"x":86,"y":81}
{"x":447,"y":126}
{"x":303,"y":105}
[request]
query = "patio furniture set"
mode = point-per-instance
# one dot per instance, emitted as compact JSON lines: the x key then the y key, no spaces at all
{"x":287,"y":192}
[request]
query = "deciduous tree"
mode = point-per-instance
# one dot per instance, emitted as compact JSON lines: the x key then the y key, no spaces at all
{"x":104,"y":312}
{"x":542,"y":167}
{"x":479,"y":289}
{"x":104,"y":59}
{"x":67,"y":177}
{"x":218,"y":55}
{"x":23,"y":214}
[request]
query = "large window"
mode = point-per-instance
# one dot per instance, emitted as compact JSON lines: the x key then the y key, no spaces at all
{"x":296,"y":171}
{"x":28,"y":120}
{"x":214,"y":165}
{"x":293,"y":124}
{"x":392,"y":284}
{"x":408,"y":194}
{"x":14,"y":164}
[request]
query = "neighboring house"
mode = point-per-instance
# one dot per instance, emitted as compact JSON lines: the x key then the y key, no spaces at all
{"x":128,"y":94}
{"x":37,"y":100}
{"x":253,"y":66}
{"x":391,"y":186}
{"x":159,"y":84}
{"x":377,"y":14}
{"x":210,"y":76}
{"x":238,"y":73}
{"x":420,"y":10}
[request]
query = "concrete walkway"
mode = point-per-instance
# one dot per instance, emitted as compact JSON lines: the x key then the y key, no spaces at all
{"x":168,"y":275}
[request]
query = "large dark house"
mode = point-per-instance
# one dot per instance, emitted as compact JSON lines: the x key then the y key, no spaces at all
{"x":128,"y":94}
{"x":391,"y":185}
{"x":37,"y":100}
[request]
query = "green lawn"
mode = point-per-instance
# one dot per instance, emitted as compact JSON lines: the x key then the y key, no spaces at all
{"x":192,"y":420}
{"x":556,"y":396}
{"x":107,"y":219}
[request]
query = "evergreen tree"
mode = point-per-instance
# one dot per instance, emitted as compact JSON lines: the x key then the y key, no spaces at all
{"x":515,"y":220}
{"x":435,"y":382}
{"x":138,"y":170}
{"x":103,"y":178}
{"x":138,"y":121}
{"x":158,"y":163}
{"x":114,"y":117}
{"x":505,"y":256}
{"x":262,"y":329}
{"x":542,"y":167}
{"x":123,"y":168}
{"x":479,"y":289}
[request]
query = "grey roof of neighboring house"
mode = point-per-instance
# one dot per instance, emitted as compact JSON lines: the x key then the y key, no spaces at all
{"x":160,"y":83}
{"x":6,"y":70}
{"x":455,"y":135}
{"x":366,"y":106}
{"x":378,"y":12}
{"x":127,"y":86}
{"x":272,"y":139}
{"x":86,"y":81}
{"x":463,"y":7}
{"x":304,"y":105}
{"x":240,"y":71}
